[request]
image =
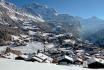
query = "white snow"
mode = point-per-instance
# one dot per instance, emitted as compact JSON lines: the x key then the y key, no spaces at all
{"x":10,"y":56}
{"x":49,"y":45}
{"x":70,"y":41}
{"x":60,"y":35}
{"x":15,"y":37}
{"x":45,"y":34}
{"x":31,"y":47}
{"x":8,"y":64}
{"x":32,"y":32}
{"x":2,"y":48}
{"x":12,"y":12}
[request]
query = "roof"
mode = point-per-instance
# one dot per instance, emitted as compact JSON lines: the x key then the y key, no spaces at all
{"x":66,"y":57}
{"x":43,"y":57}
{"x":93,"y":59}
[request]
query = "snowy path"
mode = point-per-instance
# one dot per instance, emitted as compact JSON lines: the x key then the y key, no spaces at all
{"x":7,"y":64}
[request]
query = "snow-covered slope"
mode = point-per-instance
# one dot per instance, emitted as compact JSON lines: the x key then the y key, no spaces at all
{"x":60,"y":22}
{"x":48,"y":14}
{"x":91,"y":25}
{"x":9,"y":13}
{"x":41,"y":11}
{"x":8,"y":64}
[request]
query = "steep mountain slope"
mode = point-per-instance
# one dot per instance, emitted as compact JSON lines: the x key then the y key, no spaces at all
{"x":93,"y":30}
{"x":97,"y":38}
{"x":10,"y":14}
{"x":59,"y":22}
{"x":15,"y":20}
{"x":12,"y":20}
{"x":91,"y":25}
{"x":41,"y":11}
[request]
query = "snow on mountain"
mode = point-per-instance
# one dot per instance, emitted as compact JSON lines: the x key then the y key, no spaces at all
{"x":60,"y":22}
{"x":41,"y":11}
{"x":9,"y":12}
{"x":48,"y":14}
{"x":37,"y":13}
{"x":91,"y":25}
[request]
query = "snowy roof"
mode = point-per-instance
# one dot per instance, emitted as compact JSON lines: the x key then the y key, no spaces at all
{"x":59,"y":35}
{"x":66,"y":57}
{"x":93,"y":59}
{"x":15,"y":37}
{"x":10,"y":56}
{"x":80,"y":51}
{"x":49,"y":45}
{"x":69,"y":40}
{"x":24,"y":56}
{"x":38,"y":59}
{"x":32,"y":32}
{"x":42,"y":56}
{"x":45,"y":34}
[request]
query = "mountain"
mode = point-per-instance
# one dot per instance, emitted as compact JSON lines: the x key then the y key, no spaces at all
{"x":97,"y":38}
{"x":39,"y":15}
{"x":13,"y":20}
{"x":10,"y":12}
{"x":34,"y":17}
{"x":60,"y":22}
{"x":90,"y":25}
{"x":92,"y":30}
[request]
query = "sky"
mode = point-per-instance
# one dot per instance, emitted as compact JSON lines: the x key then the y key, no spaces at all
{"x":81,"y":8}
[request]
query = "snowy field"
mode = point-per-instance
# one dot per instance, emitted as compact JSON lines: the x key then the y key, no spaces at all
{"x":8,"y":64}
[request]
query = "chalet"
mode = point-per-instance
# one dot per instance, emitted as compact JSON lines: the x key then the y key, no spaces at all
{"x":94,"y":63}
{"x":11,"y":53}
{"x":44,"y":57}
{"x":65,"y":60}
{"x":39,"y":57}
{"x":78,"y":60}
{"x":16,"y":52}
{"x":21,"y":57}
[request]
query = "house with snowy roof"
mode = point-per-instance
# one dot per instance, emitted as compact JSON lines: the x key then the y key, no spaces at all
{"x":65,"y":60}
{"x":42,"y":58}
{"x":94,"y":63}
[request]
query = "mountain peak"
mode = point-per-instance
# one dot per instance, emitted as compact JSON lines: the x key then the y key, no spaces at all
{"x":39,"y":5}
{"x":94,"y":17}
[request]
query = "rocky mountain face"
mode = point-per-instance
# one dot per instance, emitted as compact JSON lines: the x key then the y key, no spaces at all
{"x":9,"y":11}
{"x":16,"y":21}
{"x":97,"y":38}
{"x":41,"y":10}
{"x":91,"y":25}
{"x":60,"y":22}
{"x":92,"y":29}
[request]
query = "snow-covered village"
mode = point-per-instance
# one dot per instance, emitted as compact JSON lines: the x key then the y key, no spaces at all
{"x":35,"y":36}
